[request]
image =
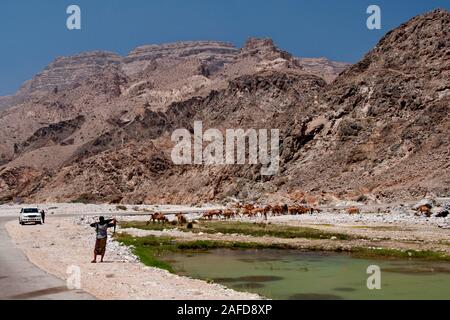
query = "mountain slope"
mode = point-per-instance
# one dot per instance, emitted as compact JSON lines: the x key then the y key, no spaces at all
{"x":380,"y":129}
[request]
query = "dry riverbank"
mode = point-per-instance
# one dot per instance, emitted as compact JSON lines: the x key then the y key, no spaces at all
{"x":61,"y":243}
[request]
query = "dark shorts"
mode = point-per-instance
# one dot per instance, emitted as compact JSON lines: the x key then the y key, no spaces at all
{"x":100,"y":246}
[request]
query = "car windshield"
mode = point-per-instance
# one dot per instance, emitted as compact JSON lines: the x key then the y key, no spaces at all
{"x":32,"y":210}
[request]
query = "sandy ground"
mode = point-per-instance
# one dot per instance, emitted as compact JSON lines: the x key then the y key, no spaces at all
{"x":62,"y":243}
{"x":70,"y":209}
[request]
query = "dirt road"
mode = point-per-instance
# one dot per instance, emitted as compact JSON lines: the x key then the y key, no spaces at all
{"x":20,"y":279}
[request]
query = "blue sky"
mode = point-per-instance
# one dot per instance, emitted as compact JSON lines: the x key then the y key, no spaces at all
{"x":33,"y":33}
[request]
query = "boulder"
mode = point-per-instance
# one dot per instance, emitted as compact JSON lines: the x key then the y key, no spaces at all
{"x":442,"y":213}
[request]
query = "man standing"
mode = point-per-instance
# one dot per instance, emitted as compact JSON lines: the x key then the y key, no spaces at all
{"x":43,"y":216}
{"x":101,"y":228}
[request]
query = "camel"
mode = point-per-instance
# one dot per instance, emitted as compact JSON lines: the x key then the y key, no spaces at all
{"x":312,"y":209}
{"x":181,"y":218}
{"x":279,"y":210}
{"x":248,"y":207}
{"x":259,"y":211}
{"x":228,"y":214}
{"x":424,"y":210}
{"x":293,"y":210}
{"x":244,"y":212}
{"x":210,"y":214}
{"x":255,"y":212}
{"x":207,"y":215}
{"x":353,"y":210}
{"x":267,"y":209}
{"x":158,"y":216}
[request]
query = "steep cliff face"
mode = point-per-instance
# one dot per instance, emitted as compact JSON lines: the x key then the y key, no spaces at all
{"x":379,"y":129}
{"x":387,"y":117}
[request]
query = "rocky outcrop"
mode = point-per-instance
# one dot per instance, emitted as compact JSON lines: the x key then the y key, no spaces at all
{"x":68,"y":72}
{"x":19,"y":183}
{"x":212,"y":54}
{"x":263,"y":49}
{"x":323,"y":67}
{"x":57,"y":133}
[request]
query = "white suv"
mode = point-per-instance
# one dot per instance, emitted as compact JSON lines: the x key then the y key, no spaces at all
{"x":30,"y":215}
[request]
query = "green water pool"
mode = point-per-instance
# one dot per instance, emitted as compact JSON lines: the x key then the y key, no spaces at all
{"x":288,"y":274}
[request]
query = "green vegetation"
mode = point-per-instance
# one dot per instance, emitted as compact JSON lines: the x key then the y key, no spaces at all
{"x":400,"y":254}
{"x":150,"y":249}
{"x":120,"y":207}
{"x":381,"y":228}
{"x":143,"y":225}
{"x":244,"y":228}
{"x":149,"y":257}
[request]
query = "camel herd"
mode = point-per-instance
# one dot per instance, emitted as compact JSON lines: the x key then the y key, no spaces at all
{"x":252,"y":211}
{"x":248,"y":210}
{"x":241,"y":210}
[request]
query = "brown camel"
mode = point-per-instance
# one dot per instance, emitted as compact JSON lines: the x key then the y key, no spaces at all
{"x":293,"y":210}
{"x":353,"y":210}
{"x":211,"y":214}
{"x":181,"y":218}
{"x":159,"y":217}
{"x":229,"y":214}
{"x":424,"y":210}
{"x":279,"y":209}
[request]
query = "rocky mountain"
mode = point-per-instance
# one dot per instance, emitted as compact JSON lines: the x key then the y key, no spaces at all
{"x":5,"y":102}
{"x":212,"y":54}
{"x":97,"y":127}
{"x":323,"y":67}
